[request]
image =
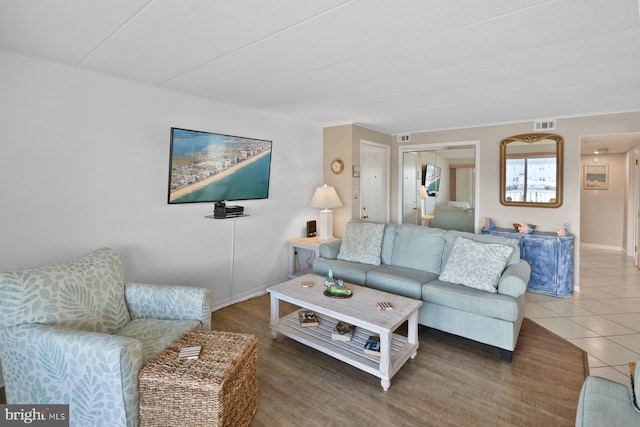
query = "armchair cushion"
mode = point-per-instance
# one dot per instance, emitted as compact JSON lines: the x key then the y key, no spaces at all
{"x":604,"y":402}
{"x":85,"y":293}
{"x":155,"y":335}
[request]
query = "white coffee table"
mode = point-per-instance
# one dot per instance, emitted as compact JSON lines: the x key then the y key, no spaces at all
{"x":359,"y":310}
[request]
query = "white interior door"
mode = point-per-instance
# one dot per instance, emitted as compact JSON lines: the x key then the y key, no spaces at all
{"x":410,"y":178}
{"x":374,"y":182}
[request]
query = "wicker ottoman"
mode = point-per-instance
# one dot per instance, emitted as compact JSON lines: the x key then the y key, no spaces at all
{"x":220,"y":388}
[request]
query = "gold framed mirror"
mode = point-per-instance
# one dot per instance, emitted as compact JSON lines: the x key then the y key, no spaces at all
{"x":531,"y":170}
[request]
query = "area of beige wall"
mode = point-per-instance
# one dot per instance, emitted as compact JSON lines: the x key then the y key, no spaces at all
{"x":338,"y":145}
{"x":603,"y":212}
{"x":343,"y":142}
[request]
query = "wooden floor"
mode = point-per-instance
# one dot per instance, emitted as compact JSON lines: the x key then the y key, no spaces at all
{"x":452,"y":381}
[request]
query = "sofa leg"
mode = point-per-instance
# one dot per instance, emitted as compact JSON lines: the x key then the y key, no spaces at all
{"x":505,"y":355}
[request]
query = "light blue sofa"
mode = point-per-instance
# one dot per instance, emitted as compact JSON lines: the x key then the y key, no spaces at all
{"x":76,"y":333}
{"x":607,"y":403}
{"x":411,"y":260}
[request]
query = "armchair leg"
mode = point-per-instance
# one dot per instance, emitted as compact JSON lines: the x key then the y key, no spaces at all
{"x":505,"y":355}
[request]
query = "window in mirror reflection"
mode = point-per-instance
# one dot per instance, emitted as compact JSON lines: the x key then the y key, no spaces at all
{"x":531,"y":179}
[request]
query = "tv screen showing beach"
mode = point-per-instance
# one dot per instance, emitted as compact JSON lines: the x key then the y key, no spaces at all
{"x":211,"y":167}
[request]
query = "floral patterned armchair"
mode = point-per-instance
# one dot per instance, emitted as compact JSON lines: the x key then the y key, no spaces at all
{"x":76,"y":333}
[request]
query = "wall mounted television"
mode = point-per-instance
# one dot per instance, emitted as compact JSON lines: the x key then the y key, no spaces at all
{"x":208,"y":167}
{"x":431,"y":178}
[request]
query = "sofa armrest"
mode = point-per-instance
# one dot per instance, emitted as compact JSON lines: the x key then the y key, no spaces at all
{"x":169,"y":302}
{"x":95,"y":373}
{"x":330,"y":249}
{"x":515,"y":279}
{"x":604,"y":402}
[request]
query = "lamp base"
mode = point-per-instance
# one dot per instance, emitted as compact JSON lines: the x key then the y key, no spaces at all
{"x":325,"y":226}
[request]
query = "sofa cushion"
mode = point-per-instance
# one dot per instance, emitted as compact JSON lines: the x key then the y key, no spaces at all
{"x":471,"y":300}
{"x":418,"y":248}
{"x":85,"y":293}
{"x":474,"y":264}
{"x":362,"y":243}
{"x":399,"y":280}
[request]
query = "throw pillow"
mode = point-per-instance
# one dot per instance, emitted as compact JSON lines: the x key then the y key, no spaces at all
{"x":476,"y":265}
{"x":362,"y":243}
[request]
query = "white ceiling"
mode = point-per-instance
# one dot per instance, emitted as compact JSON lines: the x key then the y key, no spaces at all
{"x":394,"y":66}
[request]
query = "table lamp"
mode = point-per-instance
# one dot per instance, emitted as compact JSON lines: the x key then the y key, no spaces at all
{"x":325,"y":198}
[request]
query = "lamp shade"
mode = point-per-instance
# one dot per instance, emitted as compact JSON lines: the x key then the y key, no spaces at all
{"x":325,"y":197}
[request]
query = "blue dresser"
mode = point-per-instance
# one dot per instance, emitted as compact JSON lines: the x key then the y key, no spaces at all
{"x":550,"y":258}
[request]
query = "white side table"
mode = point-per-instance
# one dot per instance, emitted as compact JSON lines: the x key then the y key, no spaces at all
{"x":308,"y":243}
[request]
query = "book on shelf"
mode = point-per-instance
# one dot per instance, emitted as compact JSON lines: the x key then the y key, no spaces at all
{"x":307,"y":318}
{"x":372,"y":346}
{"x":342,"y":332}
{"x":189,"y":353}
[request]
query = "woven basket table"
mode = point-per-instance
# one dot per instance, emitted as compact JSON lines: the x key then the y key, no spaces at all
{"x":220,"y":388}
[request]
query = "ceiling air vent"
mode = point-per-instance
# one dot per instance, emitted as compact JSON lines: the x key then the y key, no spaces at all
{"x":405,"y":137}
{"x":543,"y":125}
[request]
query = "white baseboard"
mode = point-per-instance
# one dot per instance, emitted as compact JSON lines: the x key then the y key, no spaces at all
{"x":603,"y":247}
{"x":253,"y":293}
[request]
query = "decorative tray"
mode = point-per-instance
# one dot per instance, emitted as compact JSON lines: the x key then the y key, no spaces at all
{"x":337,"y":296}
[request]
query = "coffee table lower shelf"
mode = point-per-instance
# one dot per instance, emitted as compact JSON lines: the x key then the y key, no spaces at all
{"x":351,"y":352}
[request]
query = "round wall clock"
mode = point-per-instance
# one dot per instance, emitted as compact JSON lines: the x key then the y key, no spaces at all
{"x":337,"y":166}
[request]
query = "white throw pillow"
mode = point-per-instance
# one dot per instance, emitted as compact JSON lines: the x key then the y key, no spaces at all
{"x":362,"y":243}
{"x":475,"y":264}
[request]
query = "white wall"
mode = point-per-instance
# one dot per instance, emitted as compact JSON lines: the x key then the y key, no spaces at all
{"x":85,"y":162}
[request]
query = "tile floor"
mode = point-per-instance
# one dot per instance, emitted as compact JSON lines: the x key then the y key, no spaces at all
{"x":603,"y":318}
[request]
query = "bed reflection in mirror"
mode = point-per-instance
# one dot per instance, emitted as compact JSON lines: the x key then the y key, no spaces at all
{"x":438,"y":188}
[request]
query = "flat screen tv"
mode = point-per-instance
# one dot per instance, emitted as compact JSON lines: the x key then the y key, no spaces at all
{"x":431,"y":178}
{"x":207,"y":167}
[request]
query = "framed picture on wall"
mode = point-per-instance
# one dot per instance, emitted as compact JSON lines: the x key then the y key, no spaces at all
{"x":596,"y":177}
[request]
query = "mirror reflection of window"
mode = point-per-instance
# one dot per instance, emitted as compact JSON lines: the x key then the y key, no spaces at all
{"x":531,"y":170}
{"x":531,"y":179}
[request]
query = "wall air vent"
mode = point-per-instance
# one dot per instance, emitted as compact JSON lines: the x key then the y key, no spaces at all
{"x":544,"y":125}
{"x":405,"y":137}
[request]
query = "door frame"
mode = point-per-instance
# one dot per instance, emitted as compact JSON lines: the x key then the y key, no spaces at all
{"x":438,"y":146}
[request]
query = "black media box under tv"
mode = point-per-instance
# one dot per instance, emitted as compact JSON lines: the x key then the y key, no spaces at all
{"x":224,"y":211}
